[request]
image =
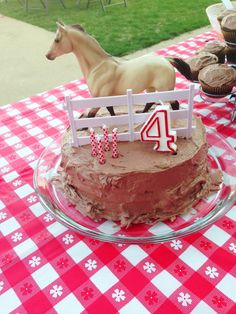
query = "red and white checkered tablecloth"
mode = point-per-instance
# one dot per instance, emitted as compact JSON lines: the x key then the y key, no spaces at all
{"x":47,"y":268}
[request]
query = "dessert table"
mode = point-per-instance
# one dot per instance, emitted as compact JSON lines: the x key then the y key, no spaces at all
{"x":47,"y":268}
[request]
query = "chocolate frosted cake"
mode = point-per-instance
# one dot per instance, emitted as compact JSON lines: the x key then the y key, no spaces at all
{"x":199,"y":61}
{"x":217,"y":79}
{"x":142,"y":185}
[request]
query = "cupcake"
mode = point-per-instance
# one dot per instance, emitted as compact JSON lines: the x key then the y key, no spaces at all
{"x":228,"y":27}
{"x":215,"y":47}
{"x":231,"y":54}
{"x":224,"y":13}
{"x":217,"y":79}
{"x":199,"y":61}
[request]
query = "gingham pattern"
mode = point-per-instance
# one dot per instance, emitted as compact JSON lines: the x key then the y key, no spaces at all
{"x":46,"y":268}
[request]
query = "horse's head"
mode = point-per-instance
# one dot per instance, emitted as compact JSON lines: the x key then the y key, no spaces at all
{"x":62,"y":43}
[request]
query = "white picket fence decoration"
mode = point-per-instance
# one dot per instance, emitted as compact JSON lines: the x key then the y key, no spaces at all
{"x":131,"y":118}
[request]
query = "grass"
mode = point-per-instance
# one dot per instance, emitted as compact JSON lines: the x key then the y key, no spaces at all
{"x":119,"y":30}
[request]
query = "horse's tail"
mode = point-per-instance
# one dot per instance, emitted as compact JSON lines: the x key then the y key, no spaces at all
{"x":181,"y":66}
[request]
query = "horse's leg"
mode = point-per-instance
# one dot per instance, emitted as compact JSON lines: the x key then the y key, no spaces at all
{"x":111,"y":111}
{"x":89,"y":114}
{"x":149,"y":104}
{"x":168,"y":86}
{"x":92,"y":112}
{"x":174,"y":104}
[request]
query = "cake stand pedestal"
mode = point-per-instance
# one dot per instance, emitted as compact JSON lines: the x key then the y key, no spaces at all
{"x":230,"y":53}
{"x":209,"y":98}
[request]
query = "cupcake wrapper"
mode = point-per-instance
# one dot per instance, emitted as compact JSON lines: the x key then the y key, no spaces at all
{"x":217,"y":91}
{"x":229,"y":36}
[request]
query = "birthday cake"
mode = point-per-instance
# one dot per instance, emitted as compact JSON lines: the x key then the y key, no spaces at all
{"x":142,"y":185}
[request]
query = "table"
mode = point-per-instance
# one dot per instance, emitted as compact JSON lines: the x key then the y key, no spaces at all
{"x":46,"y":268}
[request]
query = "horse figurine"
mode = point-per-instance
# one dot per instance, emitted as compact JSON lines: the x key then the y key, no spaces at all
{"x":109,"y":76}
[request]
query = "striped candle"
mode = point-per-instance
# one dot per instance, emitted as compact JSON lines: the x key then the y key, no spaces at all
{"x":101,"y":157}
{"x":115,"y":153}
{"x":106,"y":138}
{"x":93,"y":142}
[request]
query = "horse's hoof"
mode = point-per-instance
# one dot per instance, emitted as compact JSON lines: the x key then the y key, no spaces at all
{"x":175,"y":105}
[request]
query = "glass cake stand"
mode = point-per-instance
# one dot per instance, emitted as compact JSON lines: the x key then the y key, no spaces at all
{"x":226,"y":98}
{"x":221,"y":156}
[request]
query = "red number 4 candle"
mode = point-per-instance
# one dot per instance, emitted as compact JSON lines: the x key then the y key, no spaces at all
{"x":158,"y":129}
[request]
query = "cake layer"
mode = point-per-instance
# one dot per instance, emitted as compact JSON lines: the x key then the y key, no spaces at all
{"x":142,"y":185}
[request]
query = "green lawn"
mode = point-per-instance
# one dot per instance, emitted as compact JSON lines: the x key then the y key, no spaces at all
{"x":119,"y":30}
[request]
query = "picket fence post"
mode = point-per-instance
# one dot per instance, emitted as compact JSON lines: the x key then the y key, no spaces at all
{"x":190,"y":110}
{"x":130,"y":113}
{"x":75,"y":140}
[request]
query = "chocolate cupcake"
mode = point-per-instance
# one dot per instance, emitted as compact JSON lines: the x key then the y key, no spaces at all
{"x":199,"y":61}
{"x":215,"y":47}
{"x":217,"y":79}
{"x":228,"y":27}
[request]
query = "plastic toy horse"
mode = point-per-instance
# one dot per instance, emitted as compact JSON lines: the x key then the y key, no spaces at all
{"x":109,"y":76}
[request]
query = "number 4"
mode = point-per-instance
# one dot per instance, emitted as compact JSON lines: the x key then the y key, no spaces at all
{"x":157,"y":129}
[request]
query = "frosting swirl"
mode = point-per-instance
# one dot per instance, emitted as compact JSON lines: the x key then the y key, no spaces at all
{"x":229,"y":22}
{"x":201,"y":60}
{"x":214,"y":46}
{"x":218,"y":75}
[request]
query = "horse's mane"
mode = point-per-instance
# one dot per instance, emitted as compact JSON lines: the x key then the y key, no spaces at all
{"x":78,"y":27}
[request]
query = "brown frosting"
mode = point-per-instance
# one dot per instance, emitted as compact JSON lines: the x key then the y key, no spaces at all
{"x":229,"y":22}
{"x":201,"y":60}
{"x":213,"y":46}
{"x":217,"y":75}
{"x":224,"y":13}
{"x":141,"y":185}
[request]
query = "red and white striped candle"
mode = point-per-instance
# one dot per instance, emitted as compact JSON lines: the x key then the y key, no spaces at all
{"x":93,"y":142}
{"x":106,"y":138}
{"x":101,"y":156}
{"x":115,"y":153}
